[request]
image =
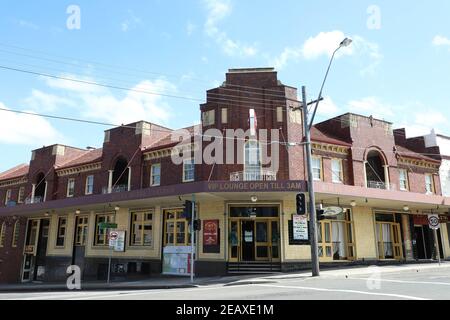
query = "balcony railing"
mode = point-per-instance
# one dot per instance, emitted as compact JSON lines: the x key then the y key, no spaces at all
{"x":116,"y":189}
{"x":263,"y":175}
{"x":36,"y":200}
{"x":381,"y":185}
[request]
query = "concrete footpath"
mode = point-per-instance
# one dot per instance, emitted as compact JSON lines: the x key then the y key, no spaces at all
{"x":165,"y":282}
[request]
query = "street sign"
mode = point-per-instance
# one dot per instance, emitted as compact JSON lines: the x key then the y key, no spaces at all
{"x":107,"y":225}
{"x":332,"y":211}
{"x":117,"y":240}
{"x":433,"y":221}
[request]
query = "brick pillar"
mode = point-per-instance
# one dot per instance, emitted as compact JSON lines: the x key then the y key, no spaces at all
{"x":409,"y":255}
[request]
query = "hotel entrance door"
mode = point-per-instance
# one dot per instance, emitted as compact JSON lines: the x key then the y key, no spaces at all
{"x":255,"y":238}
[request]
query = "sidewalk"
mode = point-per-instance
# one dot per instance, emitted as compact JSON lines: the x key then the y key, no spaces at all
{"x":162,"y":282}
{"x":165,"y":282}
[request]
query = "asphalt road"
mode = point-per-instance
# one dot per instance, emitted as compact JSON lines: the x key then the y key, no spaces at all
{"x":426,"y":284}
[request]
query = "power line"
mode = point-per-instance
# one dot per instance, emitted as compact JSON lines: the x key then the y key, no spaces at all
{"x":115,"y":67}
{"x":214,"y":99}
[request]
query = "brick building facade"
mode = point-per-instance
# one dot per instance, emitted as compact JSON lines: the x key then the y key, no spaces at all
{"x":383,"y":183}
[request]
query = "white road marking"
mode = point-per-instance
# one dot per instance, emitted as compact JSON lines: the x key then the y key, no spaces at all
{"x":405,"y":281}
{"x":345,"y":291}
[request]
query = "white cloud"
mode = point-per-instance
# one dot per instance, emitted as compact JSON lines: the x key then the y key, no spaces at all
{"x":27,"y":24}
{"x":327,"y":108}
{"x":190,"y":28}
{"x":26,"y":129}
{"x":441,"y":41}
{"x":430,"y":118}
{"x":131,"y":22}
{"x":100,"y":103}
{"x":325,"y":43}
{"x":218,"y":10}
{"x":46,"y":102}
{"x":371,"y":106}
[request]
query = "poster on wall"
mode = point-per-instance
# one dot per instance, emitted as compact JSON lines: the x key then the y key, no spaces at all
{"x":300,"y":226}
{"x":210,"y":232}
{"x":177,"y":260}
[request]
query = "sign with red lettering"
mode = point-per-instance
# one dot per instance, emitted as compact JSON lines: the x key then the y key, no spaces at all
{"x":210,"y":232}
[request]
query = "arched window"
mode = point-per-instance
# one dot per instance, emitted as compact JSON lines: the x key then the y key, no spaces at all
{"x":375,"y":170}
{"x":252,"y":165}
{"x":2,"y":235}
{"x":15,"y":238}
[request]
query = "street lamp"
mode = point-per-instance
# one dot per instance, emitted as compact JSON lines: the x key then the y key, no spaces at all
{"x":312,"y":199}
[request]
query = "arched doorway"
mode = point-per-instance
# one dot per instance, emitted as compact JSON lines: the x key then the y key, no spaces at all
{"x":120,"y":175}
{"x":375,"y":170}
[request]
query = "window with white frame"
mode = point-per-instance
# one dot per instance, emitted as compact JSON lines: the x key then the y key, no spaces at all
{"x":89,"y":189}
{"x":21,"y":195}
{"x":429,"y":184}
{"x":16,"y":234}
{"x":224,"y":115}
{"x":208,"y":117}
{"x":155,"y":175}
{"x":188,"y":170}
{"x":336,"y":171}
{"x":403,"y":177}
{"x":2,"y":235}
{"x":70,"y":187}
{"x":317,"y":168}
{"x":61,"y":231}
{"x":279,"y":114}
{"x":8,"y":196}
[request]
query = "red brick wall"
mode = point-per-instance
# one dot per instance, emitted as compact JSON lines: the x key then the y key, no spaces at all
{"x":11,"y":259}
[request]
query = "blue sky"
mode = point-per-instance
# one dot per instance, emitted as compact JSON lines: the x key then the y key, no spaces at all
{"x":397,"y":68}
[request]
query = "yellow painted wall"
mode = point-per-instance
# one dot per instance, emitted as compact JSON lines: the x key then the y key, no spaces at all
{"x":213,"y":211}
{"x":291,"y":253}
{"x":445,"y":240}
{"x":123,"y":220}
{"x":52,"y":249}
{"x":364,"y":230}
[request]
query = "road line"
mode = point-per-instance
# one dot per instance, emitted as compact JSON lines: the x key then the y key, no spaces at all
{"x":147,"y":292}
{"x":345,"y":291}
{"x":403,"y":281}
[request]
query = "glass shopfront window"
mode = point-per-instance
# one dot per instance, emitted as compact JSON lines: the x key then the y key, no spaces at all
{"x":335,"y":237}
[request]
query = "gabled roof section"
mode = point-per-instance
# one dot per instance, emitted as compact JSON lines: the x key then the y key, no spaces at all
{"x":16,"y":172}
{"x":90,"y":156}
{"x":321,"y":137}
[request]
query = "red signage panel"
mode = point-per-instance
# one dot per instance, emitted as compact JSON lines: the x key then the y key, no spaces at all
{"x":210,"y":232}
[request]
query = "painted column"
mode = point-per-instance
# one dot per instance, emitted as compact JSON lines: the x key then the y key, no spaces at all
{"x":407,"y":241}
{"x":365,"y":173}
{"x":386,"y":177}
{"x":33,"y":190}
{"x":129,"y":178}
{"x":45,"y":192}
{"x":110,"y":181}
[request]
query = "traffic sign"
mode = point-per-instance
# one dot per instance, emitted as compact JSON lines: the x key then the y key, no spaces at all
{"x":433,"y":221}
{"x":107,"y":225}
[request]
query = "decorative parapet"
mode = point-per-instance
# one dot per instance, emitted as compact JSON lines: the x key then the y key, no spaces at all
{"x":13,"y":182}
{"x":330,"y":148}
{"x":79,"y":169}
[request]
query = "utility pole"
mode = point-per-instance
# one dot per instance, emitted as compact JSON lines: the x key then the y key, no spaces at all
{"x":307,"y":125}
{"x":192,"y":237}
{"x":312,"y":197}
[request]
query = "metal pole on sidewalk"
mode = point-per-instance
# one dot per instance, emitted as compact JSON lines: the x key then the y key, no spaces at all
{"x":436,"y":243}
{"x":312,"y":198}
{"x":192,"y":238}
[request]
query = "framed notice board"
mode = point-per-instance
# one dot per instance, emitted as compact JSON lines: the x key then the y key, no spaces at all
{"x":292,"y":241}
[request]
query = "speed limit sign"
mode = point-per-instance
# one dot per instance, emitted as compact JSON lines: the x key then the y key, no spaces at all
{"x":433,"y":221}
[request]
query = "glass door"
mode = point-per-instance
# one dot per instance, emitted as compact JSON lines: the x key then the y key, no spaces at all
{"x":275,"y":243}
{"x":262,"y":243}
{"x":388,"y":239}
{"x":325,"y":245}
{"x":234,"y":240}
